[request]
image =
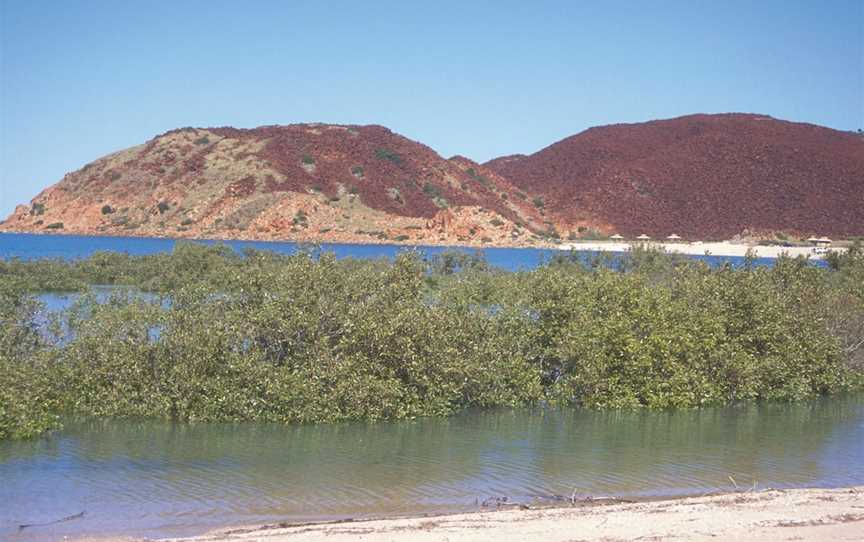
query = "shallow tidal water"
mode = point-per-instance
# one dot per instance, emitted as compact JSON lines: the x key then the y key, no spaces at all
{"x":160,"y":479}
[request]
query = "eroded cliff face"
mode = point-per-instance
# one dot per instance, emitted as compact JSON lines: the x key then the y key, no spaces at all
{"x":301,"y":182}
{"x":701,"y":176}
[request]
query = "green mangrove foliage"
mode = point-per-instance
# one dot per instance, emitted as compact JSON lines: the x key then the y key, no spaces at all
{"x":307,"y":338}
{"x":28,"y":391}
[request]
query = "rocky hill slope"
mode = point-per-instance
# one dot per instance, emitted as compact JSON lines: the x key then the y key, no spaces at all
{"x":308,"y":182}
{"x":700,"y":176}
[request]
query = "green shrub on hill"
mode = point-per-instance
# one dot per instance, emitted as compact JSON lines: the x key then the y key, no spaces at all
{"x":389,"y":155}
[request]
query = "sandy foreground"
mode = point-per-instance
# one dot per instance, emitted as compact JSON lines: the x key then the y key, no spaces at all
{"x":724,"y":248}
{"x":800,"y":514}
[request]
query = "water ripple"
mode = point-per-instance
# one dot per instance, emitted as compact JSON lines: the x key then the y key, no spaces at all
{"x":162,"y":479}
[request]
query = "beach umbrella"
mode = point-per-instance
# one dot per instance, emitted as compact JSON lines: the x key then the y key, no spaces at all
{"x":616,"y":237}
{"x":673,"y":237}
{"x":643,"y":237}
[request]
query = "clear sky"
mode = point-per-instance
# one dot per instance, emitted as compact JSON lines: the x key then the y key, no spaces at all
{"x":82,"y":79}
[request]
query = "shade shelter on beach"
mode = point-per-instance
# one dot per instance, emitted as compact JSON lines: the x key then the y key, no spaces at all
{"x":674,"y":237}
{"x":820,"y":241}
{"x":616,"y":237}
{"x":643,"y":237}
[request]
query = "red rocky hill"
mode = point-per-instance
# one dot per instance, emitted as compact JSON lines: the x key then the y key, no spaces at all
{"x":700,"y":176}
{"x":308,"y":182}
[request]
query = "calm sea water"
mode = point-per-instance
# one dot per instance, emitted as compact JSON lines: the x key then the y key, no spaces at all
{"x":29,"y":246}
{"x":161,"y":479}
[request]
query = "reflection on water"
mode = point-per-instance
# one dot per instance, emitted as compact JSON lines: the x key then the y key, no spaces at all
{"x":161,"y":479}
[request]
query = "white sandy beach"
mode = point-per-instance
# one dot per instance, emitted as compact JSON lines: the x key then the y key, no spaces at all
{"x":800,"y":514}
{"x":698,"y":248}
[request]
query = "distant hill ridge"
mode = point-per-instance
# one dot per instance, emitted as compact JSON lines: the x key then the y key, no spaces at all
{"x":701,"y":176}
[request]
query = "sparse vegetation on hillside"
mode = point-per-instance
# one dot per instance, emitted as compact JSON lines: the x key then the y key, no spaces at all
{"x":395,"y":195}
{"x":434,"y":192}
{"x":300,"y":219}
{"x":477,"y":177}
{"x":431,"y":190}
{"x":387,"y":154}
{"x":252,"y":176}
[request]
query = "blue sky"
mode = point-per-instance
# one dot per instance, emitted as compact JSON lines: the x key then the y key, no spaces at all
{"x":81,"y":79}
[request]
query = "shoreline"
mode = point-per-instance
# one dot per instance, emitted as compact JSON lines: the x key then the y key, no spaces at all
{"x":694,"y":248}
{"x":543,"y":245}
{"x":700,"y":248}
{"x":340,"y":240}
{"x":793,"y":514}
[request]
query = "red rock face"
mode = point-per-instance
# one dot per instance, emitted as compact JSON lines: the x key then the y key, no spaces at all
{"x":701,"y":176}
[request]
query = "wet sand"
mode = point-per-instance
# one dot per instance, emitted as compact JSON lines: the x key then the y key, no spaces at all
{"x":799,"y":514}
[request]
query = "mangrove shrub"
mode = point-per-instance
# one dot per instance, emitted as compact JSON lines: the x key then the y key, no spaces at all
{"x":206,"y":334}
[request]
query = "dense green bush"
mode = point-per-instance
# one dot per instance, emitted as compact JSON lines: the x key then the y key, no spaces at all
{"x":307,"y":338}
{"x":28,"y":403}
